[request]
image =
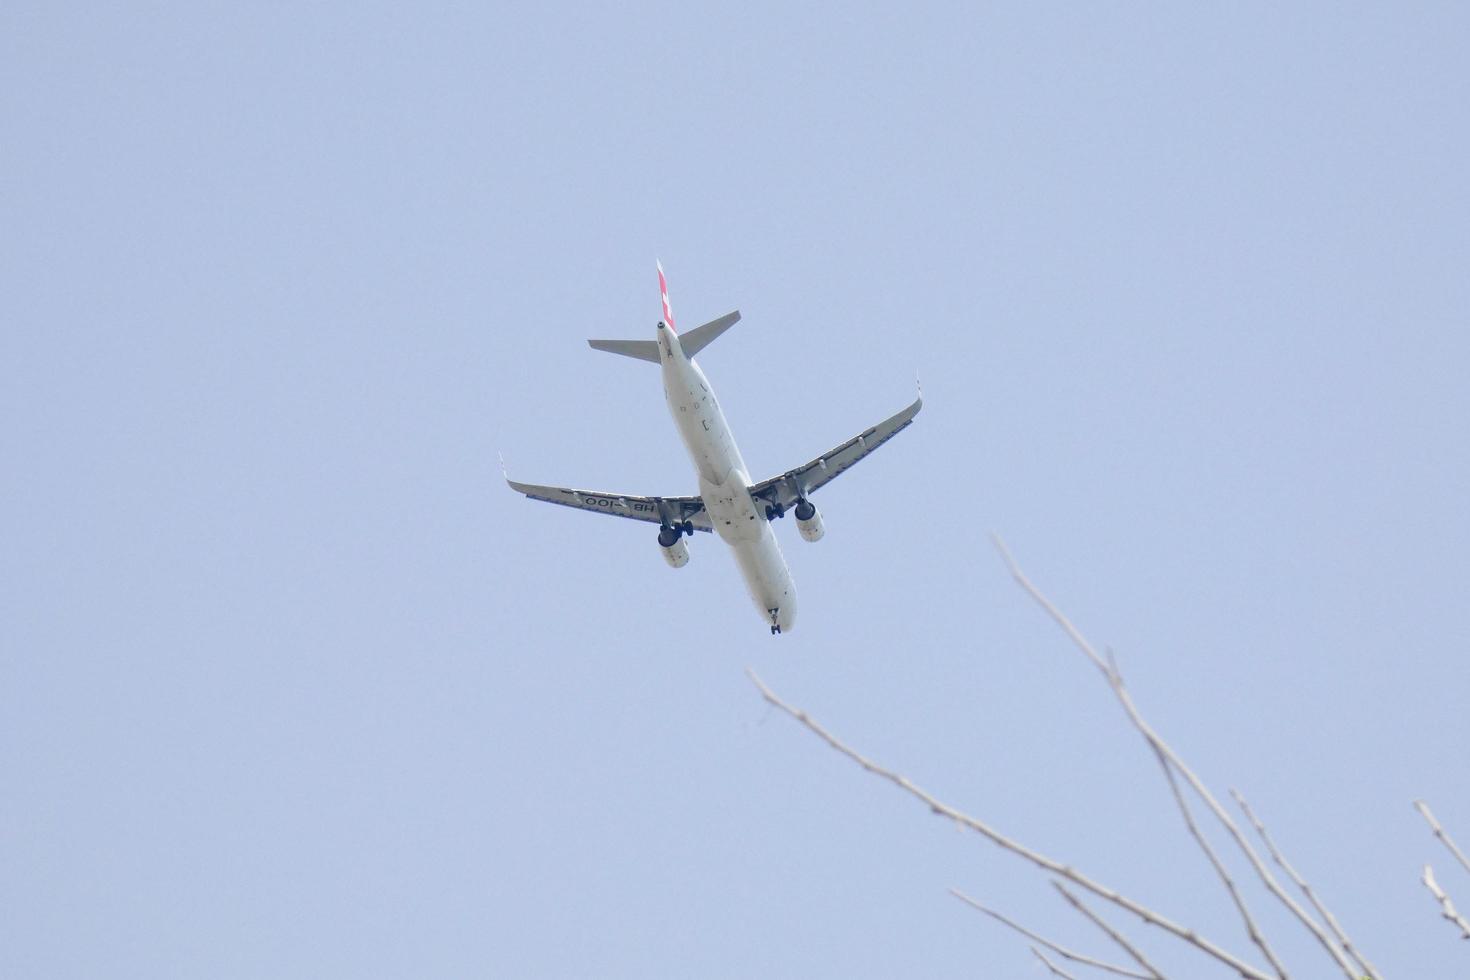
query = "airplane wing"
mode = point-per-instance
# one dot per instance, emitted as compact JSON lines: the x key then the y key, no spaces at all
{"x":783,"y":491}
{"x":654,"y":510}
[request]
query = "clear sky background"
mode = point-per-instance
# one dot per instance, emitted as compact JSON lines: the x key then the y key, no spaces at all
{"x":293,"y":686}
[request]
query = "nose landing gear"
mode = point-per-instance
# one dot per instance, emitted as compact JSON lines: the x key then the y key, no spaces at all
{"x":775,"y":621}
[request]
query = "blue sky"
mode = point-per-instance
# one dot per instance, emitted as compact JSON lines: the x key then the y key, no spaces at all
{"x":292,"y":685}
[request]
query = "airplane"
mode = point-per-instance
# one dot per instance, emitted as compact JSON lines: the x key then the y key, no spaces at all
{"x":729,"y":503}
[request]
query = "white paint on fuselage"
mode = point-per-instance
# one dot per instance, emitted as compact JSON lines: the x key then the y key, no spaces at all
{"x":724,"y":483}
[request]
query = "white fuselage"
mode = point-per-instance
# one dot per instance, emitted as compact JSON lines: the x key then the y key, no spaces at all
{"x":724,"y":483}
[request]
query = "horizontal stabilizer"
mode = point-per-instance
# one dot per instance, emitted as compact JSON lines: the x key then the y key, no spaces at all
{"x":644,"y":350}
{"x":699,"y":338}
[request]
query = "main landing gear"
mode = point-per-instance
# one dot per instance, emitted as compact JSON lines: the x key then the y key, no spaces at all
{"x":668,"y":534}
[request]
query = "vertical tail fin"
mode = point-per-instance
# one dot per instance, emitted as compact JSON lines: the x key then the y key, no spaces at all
{"x":663,"y":288}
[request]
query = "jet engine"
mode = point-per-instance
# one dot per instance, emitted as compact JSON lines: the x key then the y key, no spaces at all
{"x":675,"y":551}
{"x":808,"y":521}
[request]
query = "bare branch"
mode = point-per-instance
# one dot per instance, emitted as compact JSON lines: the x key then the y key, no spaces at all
{"x":1006,"y":843}
{"x":1251,"y":928}
{"x":1370,"y":972}
{"x":1446,"y":907}
{"x":1164,"y":749}
{"x":1121,"y":971}
{"x":1113,"y":934}
{"x":1056,"y":971}
{"x":1444,"y":838}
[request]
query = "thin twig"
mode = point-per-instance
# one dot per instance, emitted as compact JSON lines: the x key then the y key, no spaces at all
{"x":1446,"y":907}
{"x":1121,"y":971}
{"x":1001,"y":840}
{"x":1444,"y":838}
{"x":1153,"y":738}
{"x":1112,"y":933}
{"x":1221,"y":872}
{"x":1370,"y":972}
{"x":1056,"y":971}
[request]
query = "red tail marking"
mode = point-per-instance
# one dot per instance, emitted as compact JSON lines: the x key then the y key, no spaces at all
{"x":663,"y":289}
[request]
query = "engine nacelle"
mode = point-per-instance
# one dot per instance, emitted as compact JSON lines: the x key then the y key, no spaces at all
{"x":808,"y":521}
{"x":675,"y":551}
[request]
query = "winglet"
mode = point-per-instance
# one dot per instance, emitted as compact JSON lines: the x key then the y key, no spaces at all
{"x":663,"y":290}
{"x":504,"y":470}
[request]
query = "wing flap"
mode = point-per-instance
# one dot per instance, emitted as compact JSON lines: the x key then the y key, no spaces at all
{"x":654,"y":510}
{"x":783,"y":491}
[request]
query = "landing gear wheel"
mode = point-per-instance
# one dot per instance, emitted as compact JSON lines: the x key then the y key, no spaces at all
{"x":775,"y":631}
{"x":688,"y":528}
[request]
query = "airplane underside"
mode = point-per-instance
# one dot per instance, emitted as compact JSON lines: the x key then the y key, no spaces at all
{"x":728,"y":504}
